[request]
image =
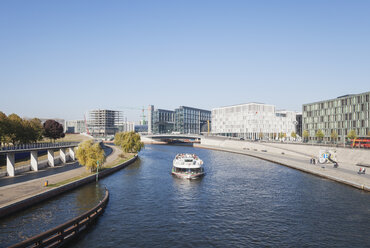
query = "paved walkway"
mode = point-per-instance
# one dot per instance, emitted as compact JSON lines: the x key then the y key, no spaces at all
{"x":346,"y":173}
{"x":19,"y":191}
{"x":30,"y":175}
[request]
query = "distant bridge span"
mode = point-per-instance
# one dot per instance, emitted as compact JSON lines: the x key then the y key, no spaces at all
{"x":174,"y":136}
{"x":165,"y":137}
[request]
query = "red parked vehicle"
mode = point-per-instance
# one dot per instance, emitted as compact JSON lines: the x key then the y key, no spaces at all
{"x":361,"y":142}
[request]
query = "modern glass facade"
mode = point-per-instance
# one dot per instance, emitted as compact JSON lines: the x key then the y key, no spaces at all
{"x":182,"y":120}
{"x":163,"y":121}
{"x":192,"y":120}
{"x":298,"y":127}
{"x":340,"y":115}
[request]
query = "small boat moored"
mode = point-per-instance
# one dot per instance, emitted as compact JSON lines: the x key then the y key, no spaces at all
{"x":188,"y":166}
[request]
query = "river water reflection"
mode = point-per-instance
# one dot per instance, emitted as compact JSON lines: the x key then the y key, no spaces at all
{"x":241,"y":202}
{"x":48,"y":214}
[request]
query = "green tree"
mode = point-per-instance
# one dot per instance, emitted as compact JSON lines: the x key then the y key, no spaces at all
{"x":37,"y":129}
{"x":282,"y":135}
{"x":3,"y":127}
{"x":351,"y":134}
{"x":320,"y":134}
{"x":89,"y":153}
{"x":293,"y":135}
{"x":305,"y":135}
{"x":334,"y":136}
{"x":15,"y":129}
{"x":26,"y":132}
{"x":119,"y":138}
{"x":128,"y":141}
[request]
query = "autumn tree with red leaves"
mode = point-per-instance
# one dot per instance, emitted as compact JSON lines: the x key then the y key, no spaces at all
{"x":53,"y":130}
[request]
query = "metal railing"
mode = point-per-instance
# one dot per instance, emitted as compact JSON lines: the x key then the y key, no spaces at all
{"x":37,"y":146}
{"x":63,"y":233}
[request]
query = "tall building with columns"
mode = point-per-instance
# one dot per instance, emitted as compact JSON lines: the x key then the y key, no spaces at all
{"x":253,"y":121}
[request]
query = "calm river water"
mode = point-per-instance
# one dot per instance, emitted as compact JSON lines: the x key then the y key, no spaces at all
{"x":241,"y":202}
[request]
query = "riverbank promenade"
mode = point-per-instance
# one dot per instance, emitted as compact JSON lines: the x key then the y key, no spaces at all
{"x":17,"y":192}
{"x":298,"y":158}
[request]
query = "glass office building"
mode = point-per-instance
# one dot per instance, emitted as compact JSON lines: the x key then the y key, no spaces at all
{"x":163,"y":121}
{"x":298,"y":127}
{"x":192,"y":120}
{"x":183,"y":120}
{"x":339,"y":115}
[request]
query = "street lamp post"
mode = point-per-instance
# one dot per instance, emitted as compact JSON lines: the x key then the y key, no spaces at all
{"x":97,"y":170}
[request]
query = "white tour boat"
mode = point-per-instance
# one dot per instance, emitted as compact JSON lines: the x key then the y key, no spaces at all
{"x":187,"y":166}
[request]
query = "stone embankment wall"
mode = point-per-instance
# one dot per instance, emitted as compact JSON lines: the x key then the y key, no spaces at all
{"x":298,"y":156}
{"x":34,"y":199}
{"x":344,"y":155}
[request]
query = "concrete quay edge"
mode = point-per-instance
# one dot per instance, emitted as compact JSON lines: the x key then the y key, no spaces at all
{"x":39,"y":197}
{"x":316,"y":173}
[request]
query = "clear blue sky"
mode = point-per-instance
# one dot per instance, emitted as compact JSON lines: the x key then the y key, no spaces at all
{"x":62,"y":58}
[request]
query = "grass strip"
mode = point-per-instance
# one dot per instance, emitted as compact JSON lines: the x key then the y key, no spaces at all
{"x":123,"y":157}
{"x":61,"y":183}
{"x":120,"y":160}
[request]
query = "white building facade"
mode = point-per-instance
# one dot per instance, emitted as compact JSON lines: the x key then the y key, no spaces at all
{"x":75,"y":126}
{"x":253,"y":121}
{"x":126,"y":126}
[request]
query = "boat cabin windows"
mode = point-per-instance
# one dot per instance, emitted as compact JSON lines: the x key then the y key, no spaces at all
{"x":187,"y":170}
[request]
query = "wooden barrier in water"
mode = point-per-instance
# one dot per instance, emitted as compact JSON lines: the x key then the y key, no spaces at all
{"x":63,"y":233}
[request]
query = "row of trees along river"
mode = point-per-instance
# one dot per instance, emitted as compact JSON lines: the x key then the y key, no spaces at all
{"x":333,"y":135}
{"x":16,"y":130}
